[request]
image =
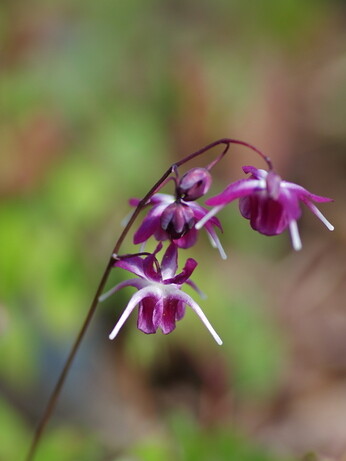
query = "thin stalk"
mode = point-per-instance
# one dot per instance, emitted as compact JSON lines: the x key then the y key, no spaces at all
{"x":60,"y":382}
{"x":52,"y":401}
{"x":227,"y":142}
{"x":50,"y":406}
{"x":62,"y":377}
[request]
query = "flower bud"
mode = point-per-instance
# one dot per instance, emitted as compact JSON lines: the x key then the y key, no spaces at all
{"x":177,"y":219}
{"x":195,"y":183}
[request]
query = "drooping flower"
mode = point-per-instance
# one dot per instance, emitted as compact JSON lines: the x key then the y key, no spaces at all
{"x":270,"y":203}
{"x":174,"y":219}
{"x":159,"y":297}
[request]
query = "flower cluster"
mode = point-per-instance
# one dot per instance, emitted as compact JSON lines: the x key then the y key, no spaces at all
{"x":270,"y":203}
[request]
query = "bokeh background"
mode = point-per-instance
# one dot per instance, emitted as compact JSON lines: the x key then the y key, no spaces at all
{"x":97,"y":100}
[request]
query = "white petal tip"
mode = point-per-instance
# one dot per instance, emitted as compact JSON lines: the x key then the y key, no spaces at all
{"x":199,"y":225}
{"x":112,"y":335}
{"x":215,"y":241}
{"x":320,"y":216}
{"x":221,"y":251}
{"x":214,"y":334}
{"x":295,"y":237}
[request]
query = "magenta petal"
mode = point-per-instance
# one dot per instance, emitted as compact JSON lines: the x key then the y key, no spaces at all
{"x":133,"y":264}
{"x":162,"y":199}
{"x":146,"y":314}
{"x":185,"y":274}
{"x":235,"y":190}
{"x":157,"y":249}
{"x":149,"y":225}
{"x":188,"y":240}
{"x":245,"y":206}
{"x":134,"y":202}
{"x":302,"y":193}
{"x":180,"y":311}
{"x":151,"y":268}
{"x":266,"y":215}
{"x":156,"y":199}
{"x":146,"y":229}
{"x":255,"y":172}
{"x":290,"y":203}
{"x":270,"y":218}
{"x":160,"y":235}
{"x":169,"y":263}
{"x":158,"y":312}
{"x":169,"y":315}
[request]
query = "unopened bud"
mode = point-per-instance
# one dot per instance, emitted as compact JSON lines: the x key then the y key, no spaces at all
{"x":195,"y":183}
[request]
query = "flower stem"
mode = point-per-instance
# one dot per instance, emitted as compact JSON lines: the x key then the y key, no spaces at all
{"x":227,"y":142}
{"x":60,"y":382}
{"x":50,"y":406}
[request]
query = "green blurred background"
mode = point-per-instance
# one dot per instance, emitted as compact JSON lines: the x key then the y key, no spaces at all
{"x":97,"y":100}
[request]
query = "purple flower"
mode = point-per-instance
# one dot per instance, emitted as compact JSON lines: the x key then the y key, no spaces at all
{"x":159,"y":297}
{"x":270,"y":203}
{"x":175,"y":219}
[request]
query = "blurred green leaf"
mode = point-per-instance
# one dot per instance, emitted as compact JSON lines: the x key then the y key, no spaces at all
{"x":188,"y":442}
{"x":156,"y":449}
{"x":69,"y":444}
{"x":13,"y":434}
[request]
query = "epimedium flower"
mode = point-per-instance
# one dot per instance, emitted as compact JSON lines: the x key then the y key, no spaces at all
{"x":270,"y":203}
{"x":159,"y":297}
{"x":174,"y":219}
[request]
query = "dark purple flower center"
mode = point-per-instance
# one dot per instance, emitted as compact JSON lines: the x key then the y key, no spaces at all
{"x":177,"y":219}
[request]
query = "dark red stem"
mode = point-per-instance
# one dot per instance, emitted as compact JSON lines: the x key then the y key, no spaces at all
{"x":227,"y":142}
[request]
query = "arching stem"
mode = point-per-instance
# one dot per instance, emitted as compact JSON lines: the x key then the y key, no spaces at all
{"x":52,"y":401}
